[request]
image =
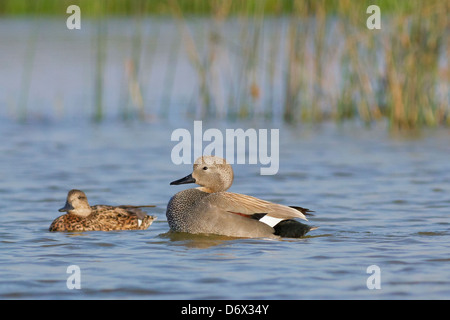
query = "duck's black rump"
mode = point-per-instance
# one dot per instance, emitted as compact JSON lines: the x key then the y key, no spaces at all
{"x":292,"y":229}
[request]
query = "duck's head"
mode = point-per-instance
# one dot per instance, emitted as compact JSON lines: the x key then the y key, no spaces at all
{"x":212,"y":173}
{"x":77,"y":203}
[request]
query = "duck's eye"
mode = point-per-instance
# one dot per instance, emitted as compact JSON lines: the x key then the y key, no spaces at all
{"x":205,"y":168}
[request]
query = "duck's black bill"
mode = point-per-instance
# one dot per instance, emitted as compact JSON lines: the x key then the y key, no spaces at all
{"x":187,"y":179}
{"x":66,"y":208}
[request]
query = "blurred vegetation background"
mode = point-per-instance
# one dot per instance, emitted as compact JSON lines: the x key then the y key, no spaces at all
{"x":201,"y":7}
{"x":319,"y":54}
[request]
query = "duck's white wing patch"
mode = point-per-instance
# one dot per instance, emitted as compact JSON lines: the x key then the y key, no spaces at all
{"x":271,"y":221}
{"x":139,"y":222}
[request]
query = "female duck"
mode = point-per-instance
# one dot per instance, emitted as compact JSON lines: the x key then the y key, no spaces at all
{"x":210,"y":209}
{"x":81,"y":216}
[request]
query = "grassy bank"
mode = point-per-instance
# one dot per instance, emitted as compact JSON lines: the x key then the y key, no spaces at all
{"x":198,"y":7}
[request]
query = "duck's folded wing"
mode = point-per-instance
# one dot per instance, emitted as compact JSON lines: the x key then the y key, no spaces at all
{"x":122,"y":210}
{"x":135,"y":207}
{"x":136,"y":210}
{"x":249,"y":206}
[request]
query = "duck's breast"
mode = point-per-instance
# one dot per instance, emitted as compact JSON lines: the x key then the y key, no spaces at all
{"x":183,"y":210}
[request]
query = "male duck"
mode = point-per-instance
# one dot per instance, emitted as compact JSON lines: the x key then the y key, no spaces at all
{"x":210,"y":209}
{"x":81,"y":216}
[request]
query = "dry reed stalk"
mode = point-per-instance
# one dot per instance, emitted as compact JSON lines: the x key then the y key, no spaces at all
{"x":28,"y":72}
{"x":220,"y":11}
{"x":316,"y":113}
{"x":295,"y":54}
{"x":100,"y":57}
{"x":132,"y":65}
{"x":194,"y":57}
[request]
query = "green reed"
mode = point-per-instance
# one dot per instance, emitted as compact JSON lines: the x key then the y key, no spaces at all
{"x":100,"y":57}
{"x":413,"y":68}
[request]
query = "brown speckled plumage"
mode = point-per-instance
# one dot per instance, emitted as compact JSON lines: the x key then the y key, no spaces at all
{"x":82,"y":217}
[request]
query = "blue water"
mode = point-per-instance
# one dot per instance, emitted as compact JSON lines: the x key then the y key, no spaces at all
{"x":379,"y":200}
